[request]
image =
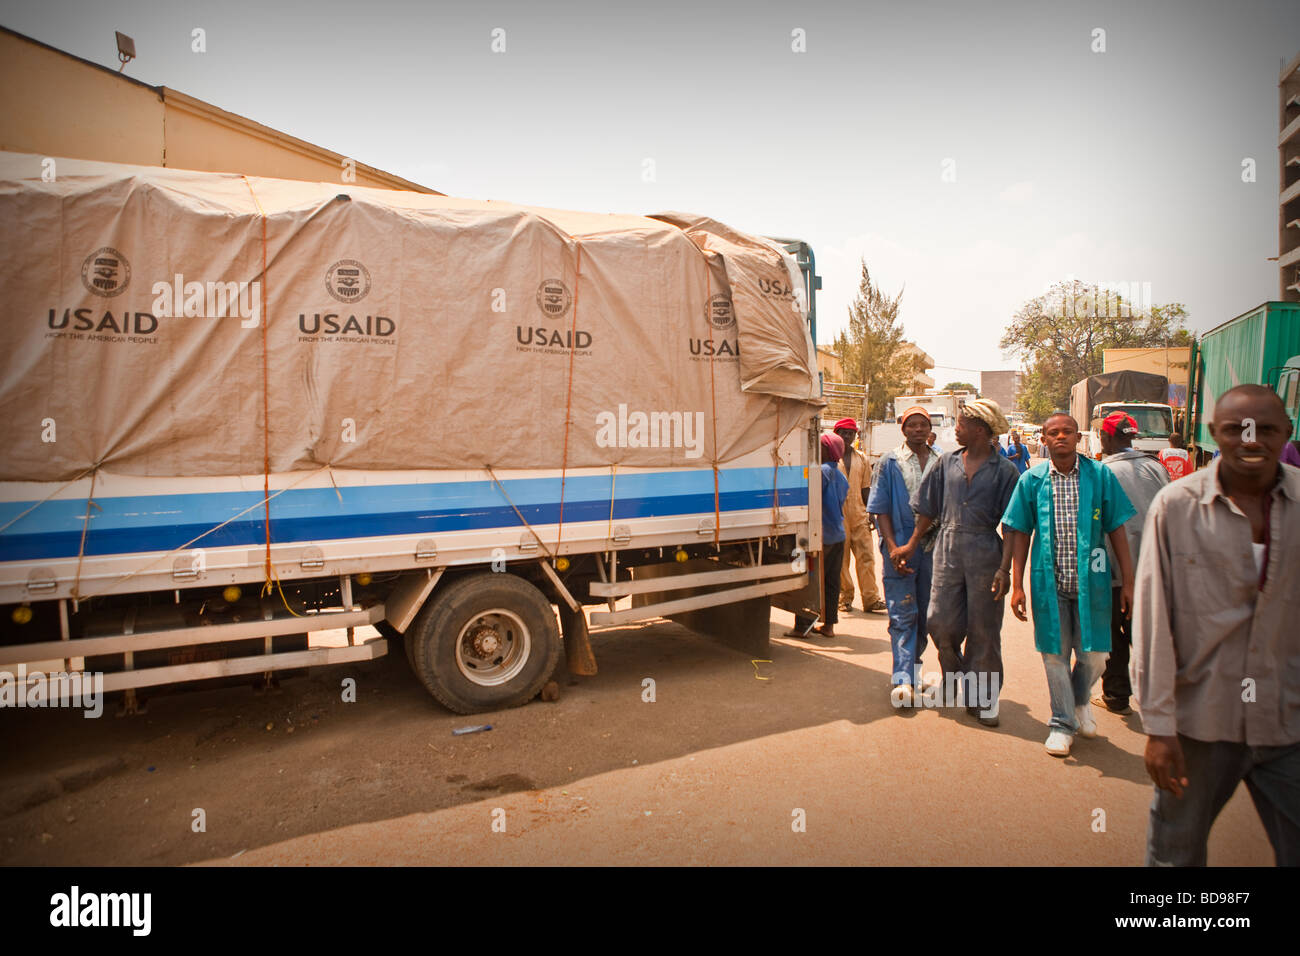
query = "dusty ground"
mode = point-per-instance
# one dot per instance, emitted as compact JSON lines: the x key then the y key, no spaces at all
{"x":712,"y":772}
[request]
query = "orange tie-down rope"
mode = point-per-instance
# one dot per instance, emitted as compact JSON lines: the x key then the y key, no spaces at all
{"x":266,"y":400}
{"x":198,"y":537}
{"x":26,"y":511}
{"x":776,"y":470}
{"x":568,"y":398}
{"x":713,"y":397}
{"x":85,"y":528}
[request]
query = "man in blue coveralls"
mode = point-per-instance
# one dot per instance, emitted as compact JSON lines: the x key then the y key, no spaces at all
{"x":965,"y":496}
{"x":835,"y":488}
{"x":907,"y":582}
{"x":1066,"y":505}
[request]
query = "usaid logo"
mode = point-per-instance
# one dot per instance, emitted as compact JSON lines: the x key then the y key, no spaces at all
{"x":106,"y":272}
{"x":775,"y":288}
{"x":721,"y":314}
{"x":553,"y":298}
{"x":347,"y":280}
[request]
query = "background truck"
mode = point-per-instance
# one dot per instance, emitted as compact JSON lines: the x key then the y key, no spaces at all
{"x":943,"y":408}
{"x":1262,"y":347}
{"x":196,"y":487}
{"x":1137,"y":393}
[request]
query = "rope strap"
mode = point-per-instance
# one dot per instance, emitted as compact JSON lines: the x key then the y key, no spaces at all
{"x":518,"y":514}
{"x":266,"y":389}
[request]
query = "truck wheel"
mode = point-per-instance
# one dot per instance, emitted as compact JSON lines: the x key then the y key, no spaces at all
{"x":487,"y":642}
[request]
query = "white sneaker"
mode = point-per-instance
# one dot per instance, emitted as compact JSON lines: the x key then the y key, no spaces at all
{"x":1083,"y":717}
{"x":1058,"y":743}
{"x":902,"y":696}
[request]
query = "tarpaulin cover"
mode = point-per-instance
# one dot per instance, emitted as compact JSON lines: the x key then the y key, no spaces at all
{"x":389,"y":330}
{"x":1125,"y":385}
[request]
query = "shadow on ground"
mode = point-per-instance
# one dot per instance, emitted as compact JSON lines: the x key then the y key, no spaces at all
{"x":266,"y":767}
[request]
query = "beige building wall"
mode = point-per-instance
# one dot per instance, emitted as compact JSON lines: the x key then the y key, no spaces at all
{"x":1171,"y":363}
{"x":61,"y":105}
{"x":828,"y":363}
{"x":920,"y":381}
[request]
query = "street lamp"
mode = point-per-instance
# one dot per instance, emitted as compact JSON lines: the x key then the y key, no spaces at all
{"x":125,"y":49}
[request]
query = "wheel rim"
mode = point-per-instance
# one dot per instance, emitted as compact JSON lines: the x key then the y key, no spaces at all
{"x":493,"y":647}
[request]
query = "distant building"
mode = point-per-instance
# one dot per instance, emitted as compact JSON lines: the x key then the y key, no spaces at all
{"x":59,"y":105}
{"x":1288,"y":162}
{"x":1172,"y":363}
{"x":920,"y":381}
{"x":828,"y":363}
{"x":1003,"y":388}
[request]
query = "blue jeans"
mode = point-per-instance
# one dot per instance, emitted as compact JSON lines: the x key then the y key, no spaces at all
{"x":1180,"y":828}
{"x":1070,"y":688}
{"x":908,"y":599}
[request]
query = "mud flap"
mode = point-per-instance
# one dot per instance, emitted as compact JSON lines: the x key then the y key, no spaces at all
{"x":742,"y":625}
{"x":577,"y":642}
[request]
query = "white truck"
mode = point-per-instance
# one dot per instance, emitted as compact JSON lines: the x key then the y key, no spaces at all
{"x":239,"y":412}
{"x":1136,"y":393}
{"x":943,"y":408}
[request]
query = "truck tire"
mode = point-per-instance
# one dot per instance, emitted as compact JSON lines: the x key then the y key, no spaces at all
{"x":488,"y":642}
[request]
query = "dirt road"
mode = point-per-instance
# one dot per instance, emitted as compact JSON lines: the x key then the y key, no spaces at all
{"x":715,"y":770}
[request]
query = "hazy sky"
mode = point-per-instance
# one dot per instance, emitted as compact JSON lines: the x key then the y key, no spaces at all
{"x":1124,"y":165}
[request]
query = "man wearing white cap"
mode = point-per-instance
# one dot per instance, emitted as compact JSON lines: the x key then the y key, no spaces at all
{"x":907,"y":582}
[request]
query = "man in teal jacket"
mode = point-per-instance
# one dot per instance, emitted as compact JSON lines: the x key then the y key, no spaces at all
{"x":1067,"y":505}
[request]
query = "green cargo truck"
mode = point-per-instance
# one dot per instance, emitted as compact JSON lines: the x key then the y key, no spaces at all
{"x":1261,"y":346}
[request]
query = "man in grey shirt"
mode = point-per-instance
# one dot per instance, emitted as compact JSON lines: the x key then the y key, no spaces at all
{"x":1215,"y":641}
{"x":1141,"y":476}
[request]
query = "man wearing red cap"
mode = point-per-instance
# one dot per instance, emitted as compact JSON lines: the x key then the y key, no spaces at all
{"x":1141,"y":476}
{"x":857,"y":529}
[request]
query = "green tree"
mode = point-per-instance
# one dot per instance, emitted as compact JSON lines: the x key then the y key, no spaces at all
{"x":960,"y":387}
{"x":871,"y":350}
{"x":1060,"y":336}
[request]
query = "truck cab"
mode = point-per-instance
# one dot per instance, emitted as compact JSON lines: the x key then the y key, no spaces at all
{"x":1155,"y":422}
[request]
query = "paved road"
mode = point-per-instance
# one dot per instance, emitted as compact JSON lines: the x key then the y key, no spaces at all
{"x":713,"y":771}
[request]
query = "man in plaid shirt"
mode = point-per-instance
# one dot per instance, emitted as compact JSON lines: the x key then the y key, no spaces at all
{"x":1066,"y":506}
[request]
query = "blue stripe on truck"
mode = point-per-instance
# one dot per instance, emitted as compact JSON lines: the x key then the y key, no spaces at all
{"x":133,"y":524}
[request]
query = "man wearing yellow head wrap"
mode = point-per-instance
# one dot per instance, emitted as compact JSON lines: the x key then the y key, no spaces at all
{"x":965,"y":497}
{"x":990,"y":413}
